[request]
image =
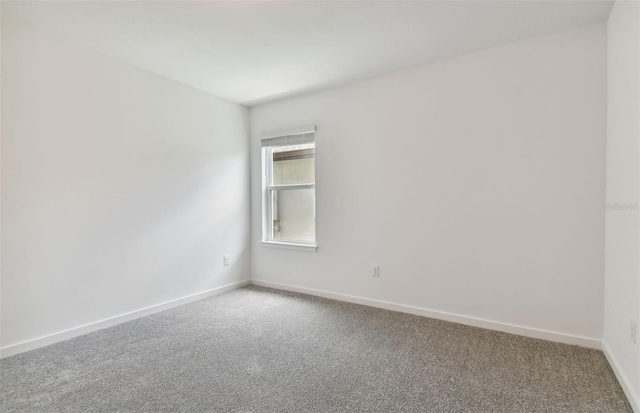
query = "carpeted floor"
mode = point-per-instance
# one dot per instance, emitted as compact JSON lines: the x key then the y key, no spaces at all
{"x":261,"y":350}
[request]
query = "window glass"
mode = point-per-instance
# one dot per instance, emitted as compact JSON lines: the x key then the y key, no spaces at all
{"x":294,"y":215}
{"x":293,"y":165}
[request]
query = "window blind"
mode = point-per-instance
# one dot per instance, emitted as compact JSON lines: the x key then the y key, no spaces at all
{"x":297,"y":136}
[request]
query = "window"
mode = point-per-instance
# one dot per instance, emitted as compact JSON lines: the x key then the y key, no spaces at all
{"x":289,"y":189}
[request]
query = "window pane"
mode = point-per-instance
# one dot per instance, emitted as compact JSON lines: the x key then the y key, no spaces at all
{"x":293,"y":214}
{"x":293,"y":165}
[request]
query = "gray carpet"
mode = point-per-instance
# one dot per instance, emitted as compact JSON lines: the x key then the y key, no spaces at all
{"x":260,"y":350}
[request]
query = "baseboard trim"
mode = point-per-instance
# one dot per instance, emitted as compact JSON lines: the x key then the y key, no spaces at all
{"x":632,"y":396}
{"x":442,"y":315}
{"x":108,"y":322}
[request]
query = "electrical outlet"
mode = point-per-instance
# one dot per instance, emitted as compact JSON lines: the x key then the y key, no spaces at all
{"x":225,"y":260}
{"x":633,"y":331}
{"x":375,"y":271}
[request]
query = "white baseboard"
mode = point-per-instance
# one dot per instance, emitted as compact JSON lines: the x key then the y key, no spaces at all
{"x":442,"y":315}
{"x":99,"y":325}
{"x":628,"y":389}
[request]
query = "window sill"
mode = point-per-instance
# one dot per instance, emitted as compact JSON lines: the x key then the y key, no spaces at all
{"x":290,"y":246}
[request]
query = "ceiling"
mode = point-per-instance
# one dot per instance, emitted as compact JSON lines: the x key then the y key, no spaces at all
{"x":252,"y":52}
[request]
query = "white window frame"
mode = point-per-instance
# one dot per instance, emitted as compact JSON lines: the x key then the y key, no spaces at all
{"x":267,"y":188}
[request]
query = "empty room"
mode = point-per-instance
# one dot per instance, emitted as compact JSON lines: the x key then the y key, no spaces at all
{"x":320,"y":206}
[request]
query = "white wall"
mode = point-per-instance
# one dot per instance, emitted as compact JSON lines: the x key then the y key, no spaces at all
{"x":476,"y":183}
{"x":622,"y":269}
{"x":121,"y":189}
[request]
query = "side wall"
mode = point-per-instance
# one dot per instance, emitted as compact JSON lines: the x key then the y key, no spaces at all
{"x":476,"y":183}
{"x":121,"y":189}
{"x":622,"y":269}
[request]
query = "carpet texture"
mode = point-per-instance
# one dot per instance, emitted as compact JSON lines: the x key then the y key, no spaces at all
{"x":261,"y":350}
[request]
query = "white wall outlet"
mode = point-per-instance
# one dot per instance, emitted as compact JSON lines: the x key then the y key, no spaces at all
{"x":375,"y":271}
{"x":633,"y":331}
{"x":225,"y":260}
